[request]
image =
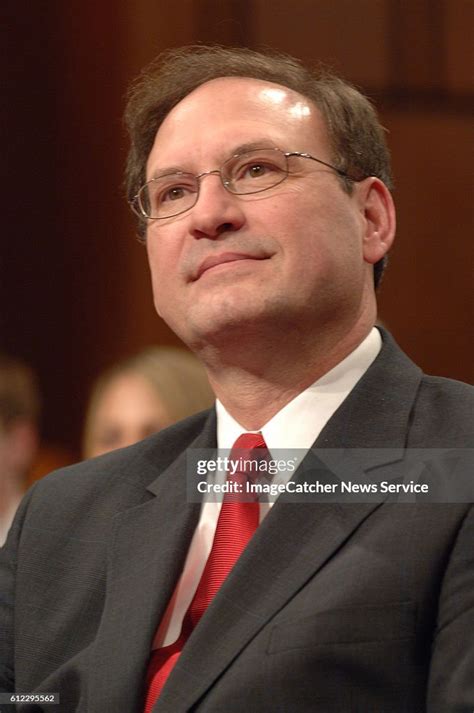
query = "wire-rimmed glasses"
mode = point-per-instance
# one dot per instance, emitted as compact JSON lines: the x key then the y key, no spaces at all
{"x":243,"y":173}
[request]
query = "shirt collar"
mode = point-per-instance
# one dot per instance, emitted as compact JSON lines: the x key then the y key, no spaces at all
{"x":299,"y":423}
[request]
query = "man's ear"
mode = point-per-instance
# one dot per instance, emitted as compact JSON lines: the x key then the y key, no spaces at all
{"x":379,"y":215}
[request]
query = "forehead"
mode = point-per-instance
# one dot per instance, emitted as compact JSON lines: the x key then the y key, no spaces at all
{"x":226,"y":112}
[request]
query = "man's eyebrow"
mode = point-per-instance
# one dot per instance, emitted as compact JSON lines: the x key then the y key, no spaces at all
{"x":168,"y":169}
{"x":252,"y":145}
{"x":263,"y":143}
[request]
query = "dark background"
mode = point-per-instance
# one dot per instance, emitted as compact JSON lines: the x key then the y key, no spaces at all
{"x":75,"y":292}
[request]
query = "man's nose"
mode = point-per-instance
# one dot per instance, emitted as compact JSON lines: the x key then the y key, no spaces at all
{"x":216,"y":210}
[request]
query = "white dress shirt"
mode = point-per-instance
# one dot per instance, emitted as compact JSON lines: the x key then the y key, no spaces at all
{"x":296,"y":425}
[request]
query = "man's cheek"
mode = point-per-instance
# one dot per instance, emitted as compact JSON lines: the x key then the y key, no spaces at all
{"x":160,"y":290}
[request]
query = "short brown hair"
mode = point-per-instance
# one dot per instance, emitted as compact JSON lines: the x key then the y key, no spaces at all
{"x":356,"y":135}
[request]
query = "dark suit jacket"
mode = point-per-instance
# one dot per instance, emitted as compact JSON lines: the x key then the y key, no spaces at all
{"x":364,"y":608}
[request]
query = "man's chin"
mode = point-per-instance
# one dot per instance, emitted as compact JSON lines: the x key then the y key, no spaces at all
{"x":217,"y":327}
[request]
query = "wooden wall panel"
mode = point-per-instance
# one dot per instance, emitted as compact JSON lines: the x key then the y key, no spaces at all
{"x":458,"y":44}
{"x":150,"y":26}
{"x":227,"y":22}
{"x":349,"y":36}
{"x":415,"y":37}
{"x":428,"y":298}
{"x":90,"y":250}
{"x":35,"y":317}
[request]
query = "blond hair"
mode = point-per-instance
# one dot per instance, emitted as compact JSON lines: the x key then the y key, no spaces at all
{"x":176,"y":376}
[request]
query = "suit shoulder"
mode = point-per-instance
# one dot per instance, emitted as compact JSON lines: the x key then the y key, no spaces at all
{"x":134,"y":466}
{"x":447,"y":392}
{"x":445,"y":410}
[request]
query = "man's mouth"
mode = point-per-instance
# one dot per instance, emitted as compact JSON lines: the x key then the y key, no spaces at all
{"x":215,"y":260}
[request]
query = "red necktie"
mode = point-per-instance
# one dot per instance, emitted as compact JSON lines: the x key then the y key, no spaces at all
{"x":238,"y":520}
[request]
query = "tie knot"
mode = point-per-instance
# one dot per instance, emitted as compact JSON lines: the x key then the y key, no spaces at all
{"x":247,"y":465}
{"x":249,"y":441}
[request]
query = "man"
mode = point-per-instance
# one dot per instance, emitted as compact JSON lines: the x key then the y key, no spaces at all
{"x":262,"y":195}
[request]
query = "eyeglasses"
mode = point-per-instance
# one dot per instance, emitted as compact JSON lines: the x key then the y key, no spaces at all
{"x":242,"y":174}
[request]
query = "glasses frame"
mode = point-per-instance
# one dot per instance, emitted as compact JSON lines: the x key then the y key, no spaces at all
{"x":136,"y":203}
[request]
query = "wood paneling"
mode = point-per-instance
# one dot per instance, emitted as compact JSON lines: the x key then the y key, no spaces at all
{"x":227,"y":22}
{"x":458,"y":44}
{"x":427,"y":297}
{"x":415,"y":38}
{"x":150,"y":26}
{"x":349,"y":36}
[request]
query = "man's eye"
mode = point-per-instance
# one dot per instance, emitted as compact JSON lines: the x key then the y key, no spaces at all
{"x":175,"y":193}
{"x":257,"y":169}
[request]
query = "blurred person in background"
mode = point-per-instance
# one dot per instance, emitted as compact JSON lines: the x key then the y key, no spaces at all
{"x":19,"y":411}
{"x":142,"y":395}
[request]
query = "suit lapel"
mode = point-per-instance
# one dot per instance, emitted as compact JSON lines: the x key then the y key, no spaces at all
{"x":297,"y":539}
{"x":291,"y":545}
{"x":147,"y":552}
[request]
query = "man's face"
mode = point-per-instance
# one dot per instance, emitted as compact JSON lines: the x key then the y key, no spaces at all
{"x":291,"y":257}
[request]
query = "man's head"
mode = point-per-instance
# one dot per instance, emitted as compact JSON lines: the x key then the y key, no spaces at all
{"x":300,"y":254}
{"x":357,"y":139}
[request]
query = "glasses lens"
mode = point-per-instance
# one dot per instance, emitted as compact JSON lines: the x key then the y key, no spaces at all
{"x":255,"y":171}
{"x":168,"y":195}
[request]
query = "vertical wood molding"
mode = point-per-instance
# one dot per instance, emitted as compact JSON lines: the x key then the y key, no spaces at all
{"x":415,"y":38}
{"x":458,"y":25}
{"x":227,"y":22}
